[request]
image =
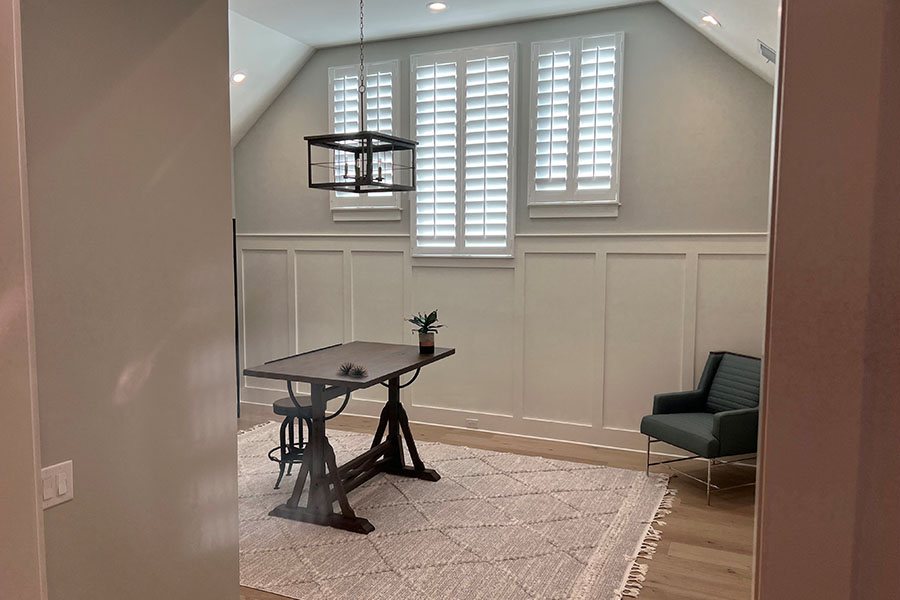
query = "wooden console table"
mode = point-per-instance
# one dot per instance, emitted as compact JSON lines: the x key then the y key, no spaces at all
{"x":385,"y":363}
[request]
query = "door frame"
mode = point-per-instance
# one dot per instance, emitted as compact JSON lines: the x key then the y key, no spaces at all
{"x":824,"y":527}
{"x":22,"y":549}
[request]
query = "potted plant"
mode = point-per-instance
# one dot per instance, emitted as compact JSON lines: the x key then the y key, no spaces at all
{"x":426,"y":326}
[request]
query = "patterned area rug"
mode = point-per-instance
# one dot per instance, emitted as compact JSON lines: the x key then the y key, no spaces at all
{"x":497,"y":526}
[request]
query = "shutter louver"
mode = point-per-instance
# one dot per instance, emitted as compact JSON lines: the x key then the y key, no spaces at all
{"x":575,"y":127}
{"x":379,"y":116}
{"x":552,"y":120}
{"x":596,"y":114}
{"x":487,"y":129}
{"x":436,"y":132}
{"x":346,"y":120}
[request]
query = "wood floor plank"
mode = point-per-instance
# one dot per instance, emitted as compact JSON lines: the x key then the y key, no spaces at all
{"x":705,"y":552}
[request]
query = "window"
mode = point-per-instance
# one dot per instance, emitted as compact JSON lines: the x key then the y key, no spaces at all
{"x":463,"y":120}
{"x":344,"y":116}
{"x":575,"y":122}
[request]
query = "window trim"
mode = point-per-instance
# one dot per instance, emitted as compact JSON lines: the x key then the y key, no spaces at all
{"x":460,"y":56}
{"x":366,"y":208}
{"x":572,"y":203}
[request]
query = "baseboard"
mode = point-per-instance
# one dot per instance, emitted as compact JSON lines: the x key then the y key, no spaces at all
{"x":256,"y":410}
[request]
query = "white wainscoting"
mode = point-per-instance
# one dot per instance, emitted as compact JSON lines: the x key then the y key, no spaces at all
{"x":569,"y":340}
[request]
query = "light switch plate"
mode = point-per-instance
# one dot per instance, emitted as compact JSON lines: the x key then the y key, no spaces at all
{"x":57,"y":484}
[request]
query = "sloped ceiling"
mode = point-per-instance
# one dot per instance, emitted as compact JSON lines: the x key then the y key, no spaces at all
{"x":271,"y":40}
{"x":269,"y":59}
{"x":742,"y":23}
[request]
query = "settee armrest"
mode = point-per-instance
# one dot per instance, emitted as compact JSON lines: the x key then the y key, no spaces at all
{"x":736,"y":431}
{"x":678,"y":402}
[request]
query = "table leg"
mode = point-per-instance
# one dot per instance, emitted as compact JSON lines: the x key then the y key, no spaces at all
{"x":398,"y":430}
{"x":319,"y":505}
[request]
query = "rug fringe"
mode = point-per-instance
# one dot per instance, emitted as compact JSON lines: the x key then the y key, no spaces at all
{"x":637,"y":571}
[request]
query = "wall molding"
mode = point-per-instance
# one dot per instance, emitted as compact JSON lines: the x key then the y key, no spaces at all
{"x":568,"y":340}
{"x":323,"y":235}
{"x":632,"y":234}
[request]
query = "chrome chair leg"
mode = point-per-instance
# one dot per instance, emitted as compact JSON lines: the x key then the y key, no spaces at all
{"x":647,"y":470}
{"x":709,"y":463}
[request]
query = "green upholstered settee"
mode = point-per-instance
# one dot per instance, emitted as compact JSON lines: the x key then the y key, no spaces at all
{"x":718,"y":419}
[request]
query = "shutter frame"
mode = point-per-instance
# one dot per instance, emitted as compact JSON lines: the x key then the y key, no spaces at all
{"x":366,"y":207}
{"x":575,"y":202}
{"x":461,"y":58}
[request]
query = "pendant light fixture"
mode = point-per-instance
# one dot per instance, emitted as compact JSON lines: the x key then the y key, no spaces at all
{"x":364,"y":161}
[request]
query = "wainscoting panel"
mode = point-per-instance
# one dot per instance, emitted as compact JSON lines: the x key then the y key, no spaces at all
{"x":267,"y":303}
{"x":644,"y":334}
{"x":319,"y":309}
{"x":378,"y":303}
{"x":568,"y":340}
{"x":561,"y":310}
{"x":476,"y":306}
{"x":379,"y":298}
{"x":731,"y":305}
{"x":320,"y":299}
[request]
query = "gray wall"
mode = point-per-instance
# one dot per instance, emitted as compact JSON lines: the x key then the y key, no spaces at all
{"x":126,"y":107}
{"x":695,"y":133}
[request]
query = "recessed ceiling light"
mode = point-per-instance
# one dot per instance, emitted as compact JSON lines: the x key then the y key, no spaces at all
{"x":436,"y":6}
{"x":710,"y":20}
{"x":238,"y":77}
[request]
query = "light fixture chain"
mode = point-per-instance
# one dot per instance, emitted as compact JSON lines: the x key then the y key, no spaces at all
{"x":362,"y":69}
{"x":362,"y":56}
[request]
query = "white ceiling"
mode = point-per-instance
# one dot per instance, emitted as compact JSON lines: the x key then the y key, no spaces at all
{"x":272,"y":39}
{"x":323,"y":23}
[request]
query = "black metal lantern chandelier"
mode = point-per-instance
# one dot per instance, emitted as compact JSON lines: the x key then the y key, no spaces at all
{"x":365,"y":161}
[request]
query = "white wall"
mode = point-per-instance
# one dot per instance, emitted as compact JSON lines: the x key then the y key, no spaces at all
{"x":126,"y":123}
{"x":569,"y":340}
{"x":571,"y":337}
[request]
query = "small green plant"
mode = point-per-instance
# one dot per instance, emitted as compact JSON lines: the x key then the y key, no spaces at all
{"x":426,"y":323}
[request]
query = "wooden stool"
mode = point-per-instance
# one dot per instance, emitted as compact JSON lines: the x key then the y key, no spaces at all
{"x":290,"y":450}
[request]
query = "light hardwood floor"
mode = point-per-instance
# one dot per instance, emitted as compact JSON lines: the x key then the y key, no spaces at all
{"x":705,"y":552}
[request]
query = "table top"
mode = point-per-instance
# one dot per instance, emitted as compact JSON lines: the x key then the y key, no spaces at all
{"x":383,"y":362}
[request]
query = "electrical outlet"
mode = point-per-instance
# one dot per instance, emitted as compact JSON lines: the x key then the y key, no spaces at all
{"x":57,"y":485}
{"x":472,"y":423}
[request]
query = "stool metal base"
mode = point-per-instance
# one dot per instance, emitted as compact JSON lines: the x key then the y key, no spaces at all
{"x":289,"y":452}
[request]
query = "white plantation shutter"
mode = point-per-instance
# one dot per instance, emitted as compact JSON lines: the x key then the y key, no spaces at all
{"x":436,"y":132}
{"x":487,"y":152}
{"x":463,"y":123}
{"x":345,"y":118}
{"x":379,"y":114}
{"x":379,"y":101}
{"x":596,"y":113}
{"x":554,"y":68}
{"x":575,"y":127}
